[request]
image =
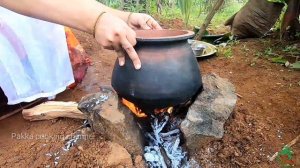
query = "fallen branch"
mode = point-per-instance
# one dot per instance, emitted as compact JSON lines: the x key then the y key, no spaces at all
{"x":294,"y":141}
{"x":208,"y":19}
{"x":51,"y":110}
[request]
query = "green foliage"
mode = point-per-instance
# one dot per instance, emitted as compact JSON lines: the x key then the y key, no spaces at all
{"x":258,"y":54}
{"x":205,"y":5}
{"x":193,"y":12}
{"x":199,"y":10}
{"x":296,"y":65}
{"x":133,"y":6}
{"x":226,"y":12}
{"x":269,"y":52}
{"x":226,"y":52}
{"x":277,"y":1}
{"x":111,"y":3}
{"x":279,"y":60}
{"x":114,"y":3}
{"x":128,"y":5}
{"x":185,"y":8}
{"x":286,"y":55}
{"x":292,"y":50}
{"x":285,"y":156}
{"x":278,"y":23}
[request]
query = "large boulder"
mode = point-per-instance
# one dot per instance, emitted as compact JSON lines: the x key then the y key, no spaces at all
{"x":205,"y":118}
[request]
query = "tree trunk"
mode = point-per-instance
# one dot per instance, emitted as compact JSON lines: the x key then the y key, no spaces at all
{"x":291,"y":19}
{"x":208,"y":19}
{"x":159,"y":6}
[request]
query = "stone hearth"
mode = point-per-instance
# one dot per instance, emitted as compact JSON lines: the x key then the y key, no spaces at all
{"x":203,"y":123}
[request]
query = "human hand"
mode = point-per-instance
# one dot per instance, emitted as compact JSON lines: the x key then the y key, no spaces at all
{"x":142,"y":21}
{"x":113,"y":33}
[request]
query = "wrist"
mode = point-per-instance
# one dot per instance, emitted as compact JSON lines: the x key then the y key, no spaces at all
{"x":122,"y":15}
{"x":96,"y":22}
{"x":118,"y":13}
{"x":96,"y":9}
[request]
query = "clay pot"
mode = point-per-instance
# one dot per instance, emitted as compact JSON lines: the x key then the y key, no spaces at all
{"x":169,"y":75}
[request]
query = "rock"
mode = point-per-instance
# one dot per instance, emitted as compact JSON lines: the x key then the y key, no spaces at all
{"x":73,"y":164}
{"x":118,"y":156}
{"x":205,"y":118}
{"x":138,"y":159}
{"x":112,"y":120}
{"x":80,"y":148}
{"x":79,"y":165}
{"x":139,"y":162}
{"x":120,"y":166}
{"x":193,"y":163}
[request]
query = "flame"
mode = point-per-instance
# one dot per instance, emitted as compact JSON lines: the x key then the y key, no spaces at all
{"x":138,"y":112}
{"x":168,"y":109}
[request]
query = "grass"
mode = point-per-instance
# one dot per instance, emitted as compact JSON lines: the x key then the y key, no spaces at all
{"x":287,"y":55}
{"x":197,"y":17}
{"x":226,"y":52}
{"x":198,"y":10}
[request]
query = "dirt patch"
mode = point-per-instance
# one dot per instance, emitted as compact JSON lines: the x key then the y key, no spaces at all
{"x":266,"y":116}
{"x":173,"y":24}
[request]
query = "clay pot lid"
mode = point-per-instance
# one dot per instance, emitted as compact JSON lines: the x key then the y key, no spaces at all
{"x":163,"y":35}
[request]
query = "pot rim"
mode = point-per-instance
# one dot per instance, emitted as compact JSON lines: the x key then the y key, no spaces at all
{"x":171,"y":35}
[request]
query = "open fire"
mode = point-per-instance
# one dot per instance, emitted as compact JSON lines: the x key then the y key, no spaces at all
{"x":165,"y":135}
{"x":163,"y":146}
{"x":137,"y":111}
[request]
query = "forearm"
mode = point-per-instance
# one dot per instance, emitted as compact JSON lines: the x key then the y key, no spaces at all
{"x":79,"y":14}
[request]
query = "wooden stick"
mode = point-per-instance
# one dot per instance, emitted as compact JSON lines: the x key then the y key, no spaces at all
{"x":51,"y":110}
{"x":294,"y":141}
{"x":208,"y":19}
{"x":238,"y":95}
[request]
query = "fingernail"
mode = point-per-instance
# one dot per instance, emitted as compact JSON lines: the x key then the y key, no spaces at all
{"x":138,"y":66}
{"x":121,"y":63}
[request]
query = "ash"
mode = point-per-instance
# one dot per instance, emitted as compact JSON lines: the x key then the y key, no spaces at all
{"x":163,"y":149}
{"x":71,"y":141}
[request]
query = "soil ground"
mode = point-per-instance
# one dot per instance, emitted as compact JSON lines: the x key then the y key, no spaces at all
{"x":267,"y":115}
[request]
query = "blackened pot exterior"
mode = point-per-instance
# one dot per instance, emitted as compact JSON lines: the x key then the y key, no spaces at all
{"x":169,"y":75}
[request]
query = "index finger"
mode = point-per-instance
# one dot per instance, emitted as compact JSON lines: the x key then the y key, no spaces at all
{"x":154,"y":24}
{"x":131,"y":52}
